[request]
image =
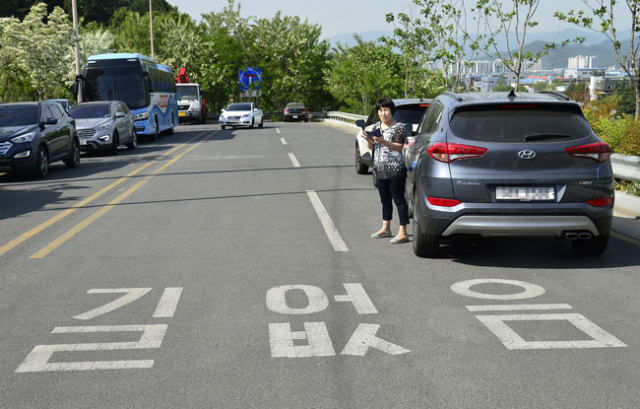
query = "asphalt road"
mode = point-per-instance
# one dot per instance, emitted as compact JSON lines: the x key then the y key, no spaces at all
{"x":234,"y":269}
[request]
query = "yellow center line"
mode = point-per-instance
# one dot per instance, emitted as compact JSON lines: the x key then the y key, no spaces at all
{"x":26,"y":236}
{"x":95,"y":216}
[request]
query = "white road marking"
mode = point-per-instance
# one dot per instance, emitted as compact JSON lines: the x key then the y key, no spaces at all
{"x":37,"y":360}
{"x":530,"y":290}
{"x":359,"y":298}
{"x":295,"y":162}
{"x":364,"y":338}
{"x":520,"y":307}
{"x":511,"y":340}
{"x":278,"y":130}
{"x":329,"y":228}
{"x":168,"y":302}
{"x":283,"y":141}
{"x":281,"y":339}
{"x":277,"y":301}
{"x":131,"y":294}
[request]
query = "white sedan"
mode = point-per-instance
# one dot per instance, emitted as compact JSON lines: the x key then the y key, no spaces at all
{"x":241,"y":114}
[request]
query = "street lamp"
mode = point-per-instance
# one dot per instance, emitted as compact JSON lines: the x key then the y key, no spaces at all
{"x":151,"y":28}
{"x":74,"y":6}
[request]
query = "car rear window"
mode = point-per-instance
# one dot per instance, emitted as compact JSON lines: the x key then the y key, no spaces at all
{"x":18,"y":115}
{"x":91,"y":111}
{"x":518,"y":123}
{"x":410,"y":114}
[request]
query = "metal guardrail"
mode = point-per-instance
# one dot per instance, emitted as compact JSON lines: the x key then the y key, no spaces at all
{"x":626,"y":167}
{"x":344,"y":117}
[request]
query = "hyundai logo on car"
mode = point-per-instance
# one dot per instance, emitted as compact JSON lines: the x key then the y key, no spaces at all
{"x":527,"y":154}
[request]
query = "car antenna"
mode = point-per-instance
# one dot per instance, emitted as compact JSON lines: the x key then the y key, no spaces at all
{"x":512,"y":94}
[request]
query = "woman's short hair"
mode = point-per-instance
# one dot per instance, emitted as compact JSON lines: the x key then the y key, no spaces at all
{"x":386,"y":103}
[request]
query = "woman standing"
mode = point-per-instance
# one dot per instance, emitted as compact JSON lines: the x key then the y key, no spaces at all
{"x":387,"y":140}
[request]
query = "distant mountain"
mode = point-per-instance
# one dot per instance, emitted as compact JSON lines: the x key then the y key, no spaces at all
{"x":595,"y":44}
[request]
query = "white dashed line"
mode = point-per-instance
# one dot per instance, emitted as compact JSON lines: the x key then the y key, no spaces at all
{"x":283,"y":141}
{"x":329,"y":228}
{"x":295,"y":162}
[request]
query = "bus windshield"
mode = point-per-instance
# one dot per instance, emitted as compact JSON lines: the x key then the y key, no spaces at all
{"x":117,"y":83}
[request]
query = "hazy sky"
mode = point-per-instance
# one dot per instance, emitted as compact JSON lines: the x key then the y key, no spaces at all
{"x":350,"y":16}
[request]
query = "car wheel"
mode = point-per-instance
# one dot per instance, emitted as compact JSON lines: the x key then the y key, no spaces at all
{"x":73,"y":161}
{"x":424,"y":245}
{"x":134,"y":140}
{"x":42,"y":163}
{"x":361,"y":168}
{"x":115,"y":142}
{"x":261,"y":122}
{"x":593,"y":247}
{"x":223,"y":127}
{"x":251,"y":126}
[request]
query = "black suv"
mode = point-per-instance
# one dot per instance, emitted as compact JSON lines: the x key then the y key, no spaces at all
{"x":34,"y":134}
{"x":499,"y":164}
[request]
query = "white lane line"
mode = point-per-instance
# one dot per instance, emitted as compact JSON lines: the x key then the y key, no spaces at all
{"x":278,"y":130}
{"x":283,"y":141}
{"x":521,"y":307}
{"x":295,"y":162}
{"x":329,"y":228}
{"x":168,"y":303}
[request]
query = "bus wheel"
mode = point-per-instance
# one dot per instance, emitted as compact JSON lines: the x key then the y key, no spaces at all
{"x":173,"y":124}
{"x":154,"y":137}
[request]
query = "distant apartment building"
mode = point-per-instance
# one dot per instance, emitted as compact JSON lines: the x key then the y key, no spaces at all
{"x":581,"y":61}
{"x":583,"y":73}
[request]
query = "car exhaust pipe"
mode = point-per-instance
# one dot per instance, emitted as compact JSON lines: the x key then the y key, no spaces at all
{"x":585,"y":236}
{"x":571,"y":235}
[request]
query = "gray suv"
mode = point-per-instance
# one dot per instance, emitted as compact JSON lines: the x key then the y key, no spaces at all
{"x":498,"y":164}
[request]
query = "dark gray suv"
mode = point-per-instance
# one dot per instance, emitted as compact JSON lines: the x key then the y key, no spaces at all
{"x":498,"y":164}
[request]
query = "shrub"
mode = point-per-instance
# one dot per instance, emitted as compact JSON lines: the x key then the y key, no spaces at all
{"x":622,"y":133}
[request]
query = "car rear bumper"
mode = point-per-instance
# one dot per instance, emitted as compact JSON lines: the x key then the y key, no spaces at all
{"x":498,"y":219}
{"x":489,"y":226}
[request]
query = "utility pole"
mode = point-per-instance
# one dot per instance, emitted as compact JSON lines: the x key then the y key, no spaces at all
{"x":151,"y":28}
{"x":74,"y":5}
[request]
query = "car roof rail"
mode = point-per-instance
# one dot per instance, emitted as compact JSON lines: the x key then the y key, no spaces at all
{"x":453,"y":95}
{"x":558,"y":95}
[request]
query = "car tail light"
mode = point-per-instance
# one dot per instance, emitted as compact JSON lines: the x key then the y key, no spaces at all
{"x":599,"y":151}
{"x":448,"y":152}
{"x":286,"y":111}
{"x":304,"y":111}
{"x":437,"y":201}
{"x":604,"y":201}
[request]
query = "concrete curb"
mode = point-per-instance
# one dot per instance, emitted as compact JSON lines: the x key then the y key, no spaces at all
{"x":627,"y":205}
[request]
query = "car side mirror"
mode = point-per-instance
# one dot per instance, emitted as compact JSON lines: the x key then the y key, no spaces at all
{"x":51,"y":121}
{"x":120,"y":115}
{"x":360,"y":123}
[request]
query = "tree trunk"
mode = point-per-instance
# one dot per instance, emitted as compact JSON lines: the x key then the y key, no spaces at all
{"x":637,"y":100}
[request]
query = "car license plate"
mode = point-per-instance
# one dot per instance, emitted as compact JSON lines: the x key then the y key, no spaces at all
{"x":295,"y":117}
{"x":182,"y":114}
{"x":83,"y":143}
{"x":527,"y":194}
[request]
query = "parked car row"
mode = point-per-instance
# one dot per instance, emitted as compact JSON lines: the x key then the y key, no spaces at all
{"x":498,"y":164}
{"x":35,"y":134}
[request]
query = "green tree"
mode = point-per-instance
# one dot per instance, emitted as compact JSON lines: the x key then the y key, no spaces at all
{"x":360,"y":75}
{"x":513,"y":20}
{"x":600,"y":18}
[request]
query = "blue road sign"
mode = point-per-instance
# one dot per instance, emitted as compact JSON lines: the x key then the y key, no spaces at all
{"x":250,"y":79}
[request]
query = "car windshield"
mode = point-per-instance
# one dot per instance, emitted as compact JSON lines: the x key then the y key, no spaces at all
{"x":91,"y":111}
{"x":18,"y":115}
{"x":239,"y":107}
{"x":187,"y":91}
{"x":513,"y":123}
